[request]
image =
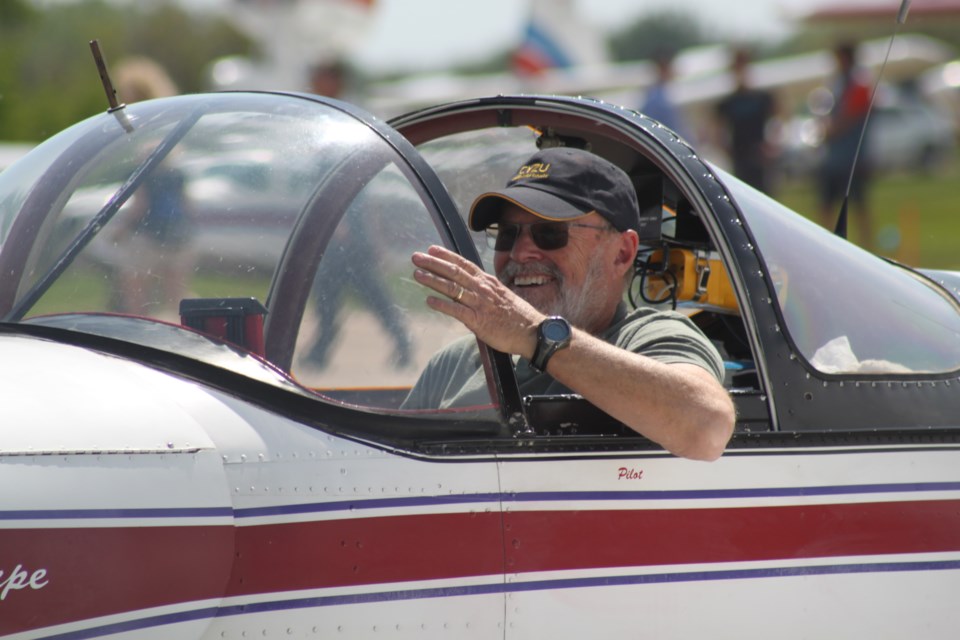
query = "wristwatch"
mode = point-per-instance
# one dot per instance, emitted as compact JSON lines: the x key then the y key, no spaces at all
{"x":553,"y":334}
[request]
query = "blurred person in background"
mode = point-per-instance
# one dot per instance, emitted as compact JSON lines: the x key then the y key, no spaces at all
{"x":153,"y":228}
{"x":843,"y":128}
{"x":359,"y":278}
{"x":328,"y":78}
{"x":659,"y":104}
{"x":744,"y":118}
{"x":141,"y":78}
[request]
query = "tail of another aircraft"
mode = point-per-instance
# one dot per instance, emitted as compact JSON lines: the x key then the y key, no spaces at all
{"x":557,"y":38}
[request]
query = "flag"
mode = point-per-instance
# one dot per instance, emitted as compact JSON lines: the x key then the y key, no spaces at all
{"x":556,"y":38}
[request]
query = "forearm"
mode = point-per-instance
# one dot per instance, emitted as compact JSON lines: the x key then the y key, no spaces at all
{"x":682,"y":407}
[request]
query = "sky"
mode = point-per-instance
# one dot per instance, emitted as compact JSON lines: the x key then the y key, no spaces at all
{"x":405,"y":35}
{"x":396,"y":36}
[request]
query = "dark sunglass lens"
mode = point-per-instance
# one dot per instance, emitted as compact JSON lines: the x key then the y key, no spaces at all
{"x":505,"y":235}
{"x":550,"y":235}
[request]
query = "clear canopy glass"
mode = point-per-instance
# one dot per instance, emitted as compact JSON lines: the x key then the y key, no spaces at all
{"x":267,"y":205}
{"x":847,"y":310}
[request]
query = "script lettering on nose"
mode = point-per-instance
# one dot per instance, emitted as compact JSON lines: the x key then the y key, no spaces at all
{"x":21,"y":578}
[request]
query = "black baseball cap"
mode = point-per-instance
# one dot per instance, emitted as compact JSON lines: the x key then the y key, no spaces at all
{"x":563,"y":183}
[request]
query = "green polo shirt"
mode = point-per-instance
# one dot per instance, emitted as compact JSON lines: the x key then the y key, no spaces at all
{"x":454,"y":377}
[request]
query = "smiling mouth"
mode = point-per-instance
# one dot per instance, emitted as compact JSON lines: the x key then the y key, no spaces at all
{"x":531,"y":280}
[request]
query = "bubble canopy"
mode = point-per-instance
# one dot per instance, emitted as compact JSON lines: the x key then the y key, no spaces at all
{"x":270,"y":234}
{"x":223,"y":197}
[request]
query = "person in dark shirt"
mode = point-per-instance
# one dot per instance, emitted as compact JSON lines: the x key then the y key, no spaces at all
{"x":745,"y":117}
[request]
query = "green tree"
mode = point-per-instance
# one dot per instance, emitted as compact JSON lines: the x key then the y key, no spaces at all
{"x":183,"y":43}
{"x":14,"y":13}
{"x":48,"y":79}
{"x":656,"y":33}
{"x":15,"y":19}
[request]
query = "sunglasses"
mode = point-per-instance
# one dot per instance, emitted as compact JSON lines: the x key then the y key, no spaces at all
{"x":548,"y":236}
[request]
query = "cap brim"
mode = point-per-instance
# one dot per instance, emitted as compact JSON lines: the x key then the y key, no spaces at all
{"x":488,"y":206}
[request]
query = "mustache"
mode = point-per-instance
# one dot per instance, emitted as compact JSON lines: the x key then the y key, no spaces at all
{"x":513,"y":269}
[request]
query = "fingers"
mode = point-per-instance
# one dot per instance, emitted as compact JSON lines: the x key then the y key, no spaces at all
{"x":447,"y":263}
{"x":454,"y":278}
{"x":445,"y":272}
{"x":442,"y":285}
{"x":477,"y":299}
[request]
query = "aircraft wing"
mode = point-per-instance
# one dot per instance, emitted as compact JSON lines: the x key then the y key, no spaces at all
{"x":702,"y":77}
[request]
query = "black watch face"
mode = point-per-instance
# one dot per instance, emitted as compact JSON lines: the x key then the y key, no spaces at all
{"x":556,"y":330}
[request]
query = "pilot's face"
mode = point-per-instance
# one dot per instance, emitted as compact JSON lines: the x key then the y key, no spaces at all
{"x":582,"y":281}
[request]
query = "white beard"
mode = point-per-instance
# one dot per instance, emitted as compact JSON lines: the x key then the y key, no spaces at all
{"x":579,"y":306}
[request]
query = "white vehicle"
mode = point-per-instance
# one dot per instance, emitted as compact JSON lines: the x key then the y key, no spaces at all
{"x":904,"y":133}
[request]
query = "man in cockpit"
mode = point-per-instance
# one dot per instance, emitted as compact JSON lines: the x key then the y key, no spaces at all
{"x":565,"y":236}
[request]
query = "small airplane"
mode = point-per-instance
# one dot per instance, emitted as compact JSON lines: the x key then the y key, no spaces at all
{"x":702,"y":77}
{"x":216,"y":449}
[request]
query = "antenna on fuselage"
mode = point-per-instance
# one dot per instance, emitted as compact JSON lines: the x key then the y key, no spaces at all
{"x":117,"y":108}
{"x":841,"y":228}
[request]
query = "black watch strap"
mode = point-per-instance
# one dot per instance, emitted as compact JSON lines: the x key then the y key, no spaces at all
{"x":553,"y":334}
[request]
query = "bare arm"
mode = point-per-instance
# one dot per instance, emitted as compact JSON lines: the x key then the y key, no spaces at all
{"x":680,"y":406}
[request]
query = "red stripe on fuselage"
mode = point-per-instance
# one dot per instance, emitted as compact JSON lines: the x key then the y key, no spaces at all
{"x":102,"y":571}
{"x":436,"y":547}
{"x":91,"y":572}
{"x":338,"y":553}
{"x":564,"y":540}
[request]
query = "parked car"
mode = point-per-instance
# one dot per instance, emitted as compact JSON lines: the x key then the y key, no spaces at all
{"x":904,"y":134}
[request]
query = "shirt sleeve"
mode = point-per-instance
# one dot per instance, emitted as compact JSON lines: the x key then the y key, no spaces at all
{"x":671,"y":338}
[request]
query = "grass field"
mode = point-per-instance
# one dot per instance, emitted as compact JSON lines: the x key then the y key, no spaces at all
{"x":916,"y":218}
{"x":89,"y":289}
